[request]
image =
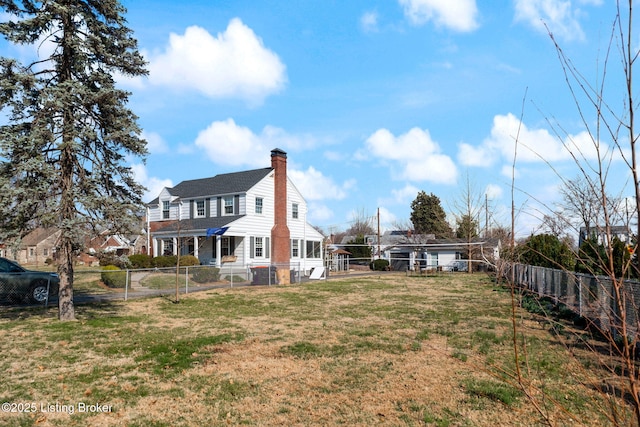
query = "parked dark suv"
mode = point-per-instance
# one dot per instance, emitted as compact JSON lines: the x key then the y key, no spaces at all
{"x":18,"y":283}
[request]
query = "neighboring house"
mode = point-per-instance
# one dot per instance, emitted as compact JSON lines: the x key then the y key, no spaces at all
{"x":407,"y":251}
{"x":114,"y":243}
{"x":245,"y":218}
{"x":40,"y":245}
{"x":36,"y":247}
{"x":620,"y":231}
{"x":110,"y":243}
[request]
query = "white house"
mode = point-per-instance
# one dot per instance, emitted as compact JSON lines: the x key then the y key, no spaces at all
{"x":407,"y":251}
{"x":244,"y":218}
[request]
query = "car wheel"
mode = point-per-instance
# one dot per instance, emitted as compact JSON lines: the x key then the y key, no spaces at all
{"x":38,"y":291}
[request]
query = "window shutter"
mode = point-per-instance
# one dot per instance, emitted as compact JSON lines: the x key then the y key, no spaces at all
{"x":236,"y":204}
{"x":219,"y":207}
{"x":207,"y":207}
{"x":267,"y":247}
{"x":191,"y":208}
{"x":252,"y":247}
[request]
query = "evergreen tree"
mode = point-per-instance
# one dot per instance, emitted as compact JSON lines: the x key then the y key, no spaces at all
{"x":466,"y":227}
{"x":593,"y":258}
{"x":359,"y":249}
{"x":428,"y":216}
{"x":546,"y":250}
{"x":69,"y":130}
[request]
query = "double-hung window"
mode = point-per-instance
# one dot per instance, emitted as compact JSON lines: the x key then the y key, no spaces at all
{"x":259,"y":247}
{"x":259,"y":252}
{"x":259,"y":205}
{"x":165,"y":209}
{"x":228,"y":205}
{"x":200,"y":209}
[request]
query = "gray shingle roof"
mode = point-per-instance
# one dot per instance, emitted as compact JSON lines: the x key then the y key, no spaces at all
{"x":227,"y":183}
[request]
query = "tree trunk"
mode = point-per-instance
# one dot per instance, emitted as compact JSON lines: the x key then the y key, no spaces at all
{"x":66,"y":310}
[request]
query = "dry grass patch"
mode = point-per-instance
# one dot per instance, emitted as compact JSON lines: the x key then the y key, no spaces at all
{"x":389,"y":349}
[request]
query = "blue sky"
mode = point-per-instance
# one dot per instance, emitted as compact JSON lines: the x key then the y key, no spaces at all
{"x":373,"y":100}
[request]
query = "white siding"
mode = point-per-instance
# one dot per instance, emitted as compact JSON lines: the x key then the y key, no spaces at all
{"x":257,"y":224}
{"x":242,"y":204}
{"x":155,"y":213}
{"x":296,"y":225}
{"x":185,"y":209}
{"x":213,"y":206}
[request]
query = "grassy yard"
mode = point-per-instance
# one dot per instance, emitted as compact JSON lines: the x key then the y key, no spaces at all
{"x":391,"y":349}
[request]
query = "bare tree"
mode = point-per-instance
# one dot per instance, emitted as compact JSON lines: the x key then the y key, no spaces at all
{"x":610,"y":126}
{"x":361,"y":225}
{"x":466,"y":209}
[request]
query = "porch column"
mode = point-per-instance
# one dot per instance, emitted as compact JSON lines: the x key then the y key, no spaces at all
{"x":218,"y":251}
{"x":175,"y":246}
{"x":195,"y":246}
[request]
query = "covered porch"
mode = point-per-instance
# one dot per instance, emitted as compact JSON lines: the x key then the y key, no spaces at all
{"x":210,"y":250}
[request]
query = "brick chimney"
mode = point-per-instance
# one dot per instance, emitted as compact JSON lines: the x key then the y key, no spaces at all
{"x":280,"y":236}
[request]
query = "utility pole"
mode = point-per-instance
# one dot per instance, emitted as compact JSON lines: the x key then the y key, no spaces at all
{"x":486,"y":215}
{"x":378,"y":233}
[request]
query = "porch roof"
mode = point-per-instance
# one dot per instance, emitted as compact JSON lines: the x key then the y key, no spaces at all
{"x":197,"y":226}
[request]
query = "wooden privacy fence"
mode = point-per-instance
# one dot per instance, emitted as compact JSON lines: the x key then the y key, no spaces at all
{"x":610,"y":304}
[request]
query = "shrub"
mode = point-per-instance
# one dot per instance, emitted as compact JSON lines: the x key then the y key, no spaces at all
{"x":140,"y":261}
{"x":189,"y":260}
{"x":113,"y":277}
{"x":165,"y":261}
{"x":110,"y":258}
{"x":206,"y":274}
{"x":379,"y":265}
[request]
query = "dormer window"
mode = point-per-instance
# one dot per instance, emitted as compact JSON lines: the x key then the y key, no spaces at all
{"x":165,"y":209}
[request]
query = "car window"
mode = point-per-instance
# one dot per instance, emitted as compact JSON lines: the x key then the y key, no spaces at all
{"x":8,"y":267}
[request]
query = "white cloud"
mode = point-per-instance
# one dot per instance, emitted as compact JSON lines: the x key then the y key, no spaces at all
{"x":405,"y":194}
{"x":319,"y":213}
{"x":534,"y":145}
{"x":315,"y":186}
{"x":469,"y":155}
{"x":416,"y":155}
{"x":509,"y":172}
{"x":227,"y":143}
{"x":493,"y":192}
{"x":155,"y":143}
{"x":369,"y":22}
{"x":387,"y":218}
{"x":561,"y":16}
{"x":234,"y":64}
{"x":458,"y":15}
{"x":154,"y":185}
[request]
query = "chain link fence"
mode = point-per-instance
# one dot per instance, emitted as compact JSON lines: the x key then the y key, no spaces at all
{"x":109,"y":283}
{"x":609,"y":304}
